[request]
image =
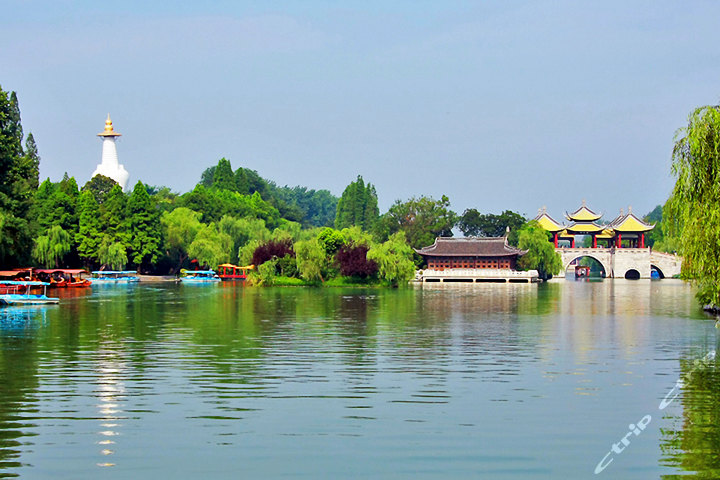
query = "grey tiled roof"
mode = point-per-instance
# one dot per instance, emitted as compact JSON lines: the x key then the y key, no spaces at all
{"x":470,"y":247}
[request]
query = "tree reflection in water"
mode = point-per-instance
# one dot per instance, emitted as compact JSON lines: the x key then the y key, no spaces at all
{"x":693,"y":443}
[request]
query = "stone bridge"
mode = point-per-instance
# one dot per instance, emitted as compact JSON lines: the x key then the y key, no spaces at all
{"x":625,"y":262}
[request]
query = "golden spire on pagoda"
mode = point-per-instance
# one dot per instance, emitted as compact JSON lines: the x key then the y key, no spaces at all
{"x":109,"y":131}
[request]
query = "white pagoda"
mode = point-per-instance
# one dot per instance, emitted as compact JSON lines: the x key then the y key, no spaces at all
{"x":109,"y":165}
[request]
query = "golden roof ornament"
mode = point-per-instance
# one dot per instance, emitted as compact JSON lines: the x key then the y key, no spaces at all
{"x":109,"y":130}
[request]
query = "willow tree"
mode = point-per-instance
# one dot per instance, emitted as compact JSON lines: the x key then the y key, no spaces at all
{"x":541,"y":254}
{"x":52,"y":247}
{"x":694,"y":205}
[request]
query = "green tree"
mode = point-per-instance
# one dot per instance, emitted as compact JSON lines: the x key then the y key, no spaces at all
{"x":541,"y":254}
{"x":143,"y":227}
{"x":112,"y":254}
{"x":394,"y":259}
{"x":88,"y":237}
{"x":267,"y":272}
{"x":242,"y":231}
{"x":100,"y":187}
{"x":330,"y":240}
{"x":310,"y":257}
{"x":52,"y":247}
{"x":62,"y":206}
{"x":223,"y":177}
{"x":357,"y":206}
{"x":210,"y":247}
{"x":18,"y":179}
{"x":474,"y":224}
{"x":113,"y":214}
{"x":180,"y":228}
{"x":694,"y":203}
{"x":421,"y":219}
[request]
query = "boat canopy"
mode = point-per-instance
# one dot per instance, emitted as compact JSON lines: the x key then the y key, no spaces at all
{"x":20,"y":282}
{"x":71,"y":271}
{"x":229,"y":265}
{"x":113,"y":272}
{"x":197,"y":272}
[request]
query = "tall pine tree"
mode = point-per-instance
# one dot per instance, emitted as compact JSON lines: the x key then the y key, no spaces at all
{"x":88,"y":237}
{"x":143,"y":226}
{"x":357,"y":206}
{"x":18,"y":181}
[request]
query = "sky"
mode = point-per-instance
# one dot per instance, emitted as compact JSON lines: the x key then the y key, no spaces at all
{"x":498,"y":105}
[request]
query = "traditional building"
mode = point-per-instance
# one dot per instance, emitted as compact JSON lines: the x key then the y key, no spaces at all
{"x":630,"y":228}
{"x":472,"y":252}
{"x":473,"y":259}
{"x":618,"y":246}
{"x":109,"y":165}
{"x":583,"y":221}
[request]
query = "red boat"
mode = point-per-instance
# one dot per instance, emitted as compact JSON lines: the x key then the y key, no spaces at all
{"x":64,"y":277}
{"x":227,"y":271}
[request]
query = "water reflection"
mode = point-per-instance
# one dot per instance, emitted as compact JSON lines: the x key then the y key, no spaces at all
{"x":18,"y":382}
{"x":443,"y":381}
{"x":692,"y":443}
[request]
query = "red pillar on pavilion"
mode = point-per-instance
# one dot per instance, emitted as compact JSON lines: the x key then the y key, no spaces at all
{"x":572,"y":244}
{"x":594,"y":241}
{"x":642,"y":240}
{"x":555,"y":239}
{"x":619,"y":240}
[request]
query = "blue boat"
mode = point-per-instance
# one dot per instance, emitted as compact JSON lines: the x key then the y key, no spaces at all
{"x":199,"y":276}
{"x":14,"y":292}
{"x":109,"y":277}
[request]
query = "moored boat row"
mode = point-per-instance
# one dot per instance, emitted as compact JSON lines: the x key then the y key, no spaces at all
{"x":19,"y":292}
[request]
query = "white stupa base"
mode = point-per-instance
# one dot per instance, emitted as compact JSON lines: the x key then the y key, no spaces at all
{"x":119,"y":174}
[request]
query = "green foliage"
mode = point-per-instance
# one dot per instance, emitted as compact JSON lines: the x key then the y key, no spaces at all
{"x":88,"y":237}
{"x":694,"y":205}
{"x":50,"y":248}
{"x":356,"y":236}
{"x":330,"y":240}
{"x":474,"y":224}
{"x":421,"y":219}
{"x":394,"y":259}
{"x":210,"y":246}
{"x":311,"y":257}
{"x":267,"y":272}
{"x":357,"y":206}
{"x":100,"y":187}
{"x":180,"y":228}
{"x":113,"y":216}
{"x":242,"y":231}
{"x":215,"y":203}
{"x":541,"y":254}
{"x":18,"y":182}
{"x":112,"y":254}
{"x":246,"y":252}
{"x":144,"y":230}
{"x":224,"y":178}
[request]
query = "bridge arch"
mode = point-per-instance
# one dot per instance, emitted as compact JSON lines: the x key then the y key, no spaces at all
{"x":599,"y":259}
{"x":657,"y":269}
{"x":632,"y":274}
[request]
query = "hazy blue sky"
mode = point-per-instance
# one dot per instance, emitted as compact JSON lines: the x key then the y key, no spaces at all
{"x":499,"y":105}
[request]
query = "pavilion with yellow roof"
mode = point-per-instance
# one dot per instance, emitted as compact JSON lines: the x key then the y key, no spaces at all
{"x":624,"y":228}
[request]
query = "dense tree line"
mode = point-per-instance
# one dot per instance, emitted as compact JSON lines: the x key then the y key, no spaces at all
{"x":230,"y":216}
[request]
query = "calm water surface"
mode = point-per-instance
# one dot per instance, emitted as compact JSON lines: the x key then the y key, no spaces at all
{"x":497,"y":382}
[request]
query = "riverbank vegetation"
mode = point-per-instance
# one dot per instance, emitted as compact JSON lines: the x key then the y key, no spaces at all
{"x":693,"y":210}
{"x":293,"y":235}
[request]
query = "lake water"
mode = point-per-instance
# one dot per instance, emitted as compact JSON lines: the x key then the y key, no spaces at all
{"x":482,"y":381}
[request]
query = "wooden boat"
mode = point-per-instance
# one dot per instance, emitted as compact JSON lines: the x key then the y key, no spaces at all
{"x":64,"y":277}
{"x":198,"y":276}
{"x":111,"y":277}
{"x":228,"y":272}
{"x":20,"y":293}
